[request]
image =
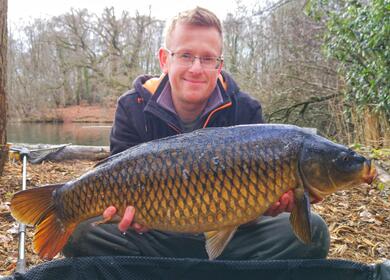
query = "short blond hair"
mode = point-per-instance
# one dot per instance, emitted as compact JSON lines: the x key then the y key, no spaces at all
{"x":196,"y":17}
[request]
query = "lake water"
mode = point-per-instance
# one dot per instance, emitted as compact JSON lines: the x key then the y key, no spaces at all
{"x":90,"y":134}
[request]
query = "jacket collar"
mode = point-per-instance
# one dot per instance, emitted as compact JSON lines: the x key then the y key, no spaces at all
{"x":165,"y":100}
{"x":159,"y":101}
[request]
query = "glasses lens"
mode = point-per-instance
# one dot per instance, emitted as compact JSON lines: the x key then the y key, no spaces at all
{"x":209,"y":62}
{"x":187,"y":59}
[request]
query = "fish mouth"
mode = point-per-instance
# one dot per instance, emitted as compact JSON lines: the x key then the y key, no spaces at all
{"x":369,"y":172}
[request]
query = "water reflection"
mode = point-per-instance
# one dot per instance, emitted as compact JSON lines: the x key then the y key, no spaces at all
{"x":49,"y":133}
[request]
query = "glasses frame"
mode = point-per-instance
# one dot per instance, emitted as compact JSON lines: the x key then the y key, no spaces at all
{"x":219,"y":60}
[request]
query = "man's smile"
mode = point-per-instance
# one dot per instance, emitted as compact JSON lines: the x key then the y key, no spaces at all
{"x":193,"y":81}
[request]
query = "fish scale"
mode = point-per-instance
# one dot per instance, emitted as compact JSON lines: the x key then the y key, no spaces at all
{"x":211,"y":180}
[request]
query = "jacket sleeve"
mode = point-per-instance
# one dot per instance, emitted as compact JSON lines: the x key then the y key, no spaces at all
{"x":124,"y":133}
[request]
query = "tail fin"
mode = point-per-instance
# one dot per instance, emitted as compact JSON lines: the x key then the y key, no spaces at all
{"x":36,"y":207}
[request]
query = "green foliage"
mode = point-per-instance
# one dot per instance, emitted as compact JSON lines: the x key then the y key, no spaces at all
{"x":358,"y":36}
{"x":356,"y":146}
{"x":376,"y":153}
{"x":381,"y":186}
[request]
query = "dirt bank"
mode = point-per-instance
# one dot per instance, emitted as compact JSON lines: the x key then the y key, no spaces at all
{"x":76,"y":113}
{"x":86,"y":114}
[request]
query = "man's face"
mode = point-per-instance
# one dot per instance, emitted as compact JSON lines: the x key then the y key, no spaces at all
{"x":191,"y":85}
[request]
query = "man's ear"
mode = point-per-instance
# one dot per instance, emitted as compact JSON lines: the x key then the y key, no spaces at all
{"x":163,"y":58}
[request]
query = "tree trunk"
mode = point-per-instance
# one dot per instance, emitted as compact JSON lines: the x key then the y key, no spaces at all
{"x":3,"y":79}
{"x":376,"y":129}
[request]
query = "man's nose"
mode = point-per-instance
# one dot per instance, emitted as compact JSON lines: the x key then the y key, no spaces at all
{"x":196,"y":65}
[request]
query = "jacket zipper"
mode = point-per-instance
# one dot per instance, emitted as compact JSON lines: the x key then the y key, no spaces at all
{"x":214,"y":111}
{"x":174,"y":128}
{"x":178,"y":130}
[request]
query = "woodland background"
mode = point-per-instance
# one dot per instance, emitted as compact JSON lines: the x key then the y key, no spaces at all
{"x":317,"y":63}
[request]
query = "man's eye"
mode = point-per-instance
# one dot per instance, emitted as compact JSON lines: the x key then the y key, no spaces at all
{"x":208,"y":59}
{"x":185,"y":56}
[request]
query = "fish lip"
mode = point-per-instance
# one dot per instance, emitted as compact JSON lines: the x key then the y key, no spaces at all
{"x":371,"y":172}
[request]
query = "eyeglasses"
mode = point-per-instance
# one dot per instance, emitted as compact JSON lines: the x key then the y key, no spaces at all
{"x":187,"y":59}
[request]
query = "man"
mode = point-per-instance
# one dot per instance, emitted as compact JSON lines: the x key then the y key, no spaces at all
{"x":193,"y":92}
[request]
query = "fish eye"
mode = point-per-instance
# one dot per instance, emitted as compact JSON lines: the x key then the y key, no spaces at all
{"x":348,"y":161}
{"x":343,"y":157}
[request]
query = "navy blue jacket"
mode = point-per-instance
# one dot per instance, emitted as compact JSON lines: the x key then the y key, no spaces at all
{"x":139,"y":118}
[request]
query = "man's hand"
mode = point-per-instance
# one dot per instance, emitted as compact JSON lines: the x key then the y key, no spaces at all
{"x":285,"y":204}
{"x":127,"y":220}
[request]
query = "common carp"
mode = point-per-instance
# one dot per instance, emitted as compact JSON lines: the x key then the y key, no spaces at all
{"x":208,"y":181}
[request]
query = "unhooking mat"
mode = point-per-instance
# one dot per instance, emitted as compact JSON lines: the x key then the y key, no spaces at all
{"x":145,"y":268}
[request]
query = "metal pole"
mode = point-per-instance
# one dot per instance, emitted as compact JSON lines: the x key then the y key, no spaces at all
{"x":21,"y":263}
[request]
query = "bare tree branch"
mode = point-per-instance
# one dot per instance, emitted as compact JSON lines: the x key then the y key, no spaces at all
{"x":305,"y":104}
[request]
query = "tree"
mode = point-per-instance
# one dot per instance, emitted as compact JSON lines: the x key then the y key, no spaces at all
{"x":3,"y":78}
{"x":298,"y":82}
{"x":358,"y":36}
{"x":78,"y":57}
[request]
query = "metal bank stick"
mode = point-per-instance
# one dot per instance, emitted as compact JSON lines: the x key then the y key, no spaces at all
{"x":21,"y":263}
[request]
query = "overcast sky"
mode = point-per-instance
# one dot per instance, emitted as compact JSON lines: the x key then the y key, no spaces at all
{"x":162,"y":9}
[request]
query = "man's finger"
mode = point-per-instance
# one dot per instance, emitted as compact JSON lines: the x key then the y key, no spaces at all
{"x":291,"y":202}
{"x":284,"y":200}
{"x":109,"y":213}
{"x":127,"y":219}
{"x":272,"y":209}
{"x":139,"y":228}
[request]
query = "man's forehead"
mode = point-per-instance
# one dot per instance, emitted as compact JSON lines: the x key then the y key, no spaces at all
{"x":188,"y":33}
{"x":191,"y":26}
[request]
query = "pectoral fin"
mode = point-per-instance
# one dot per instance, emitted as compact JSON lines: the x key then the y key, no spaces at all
{"x":216,"y":241}
{"x":300,"y":216}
